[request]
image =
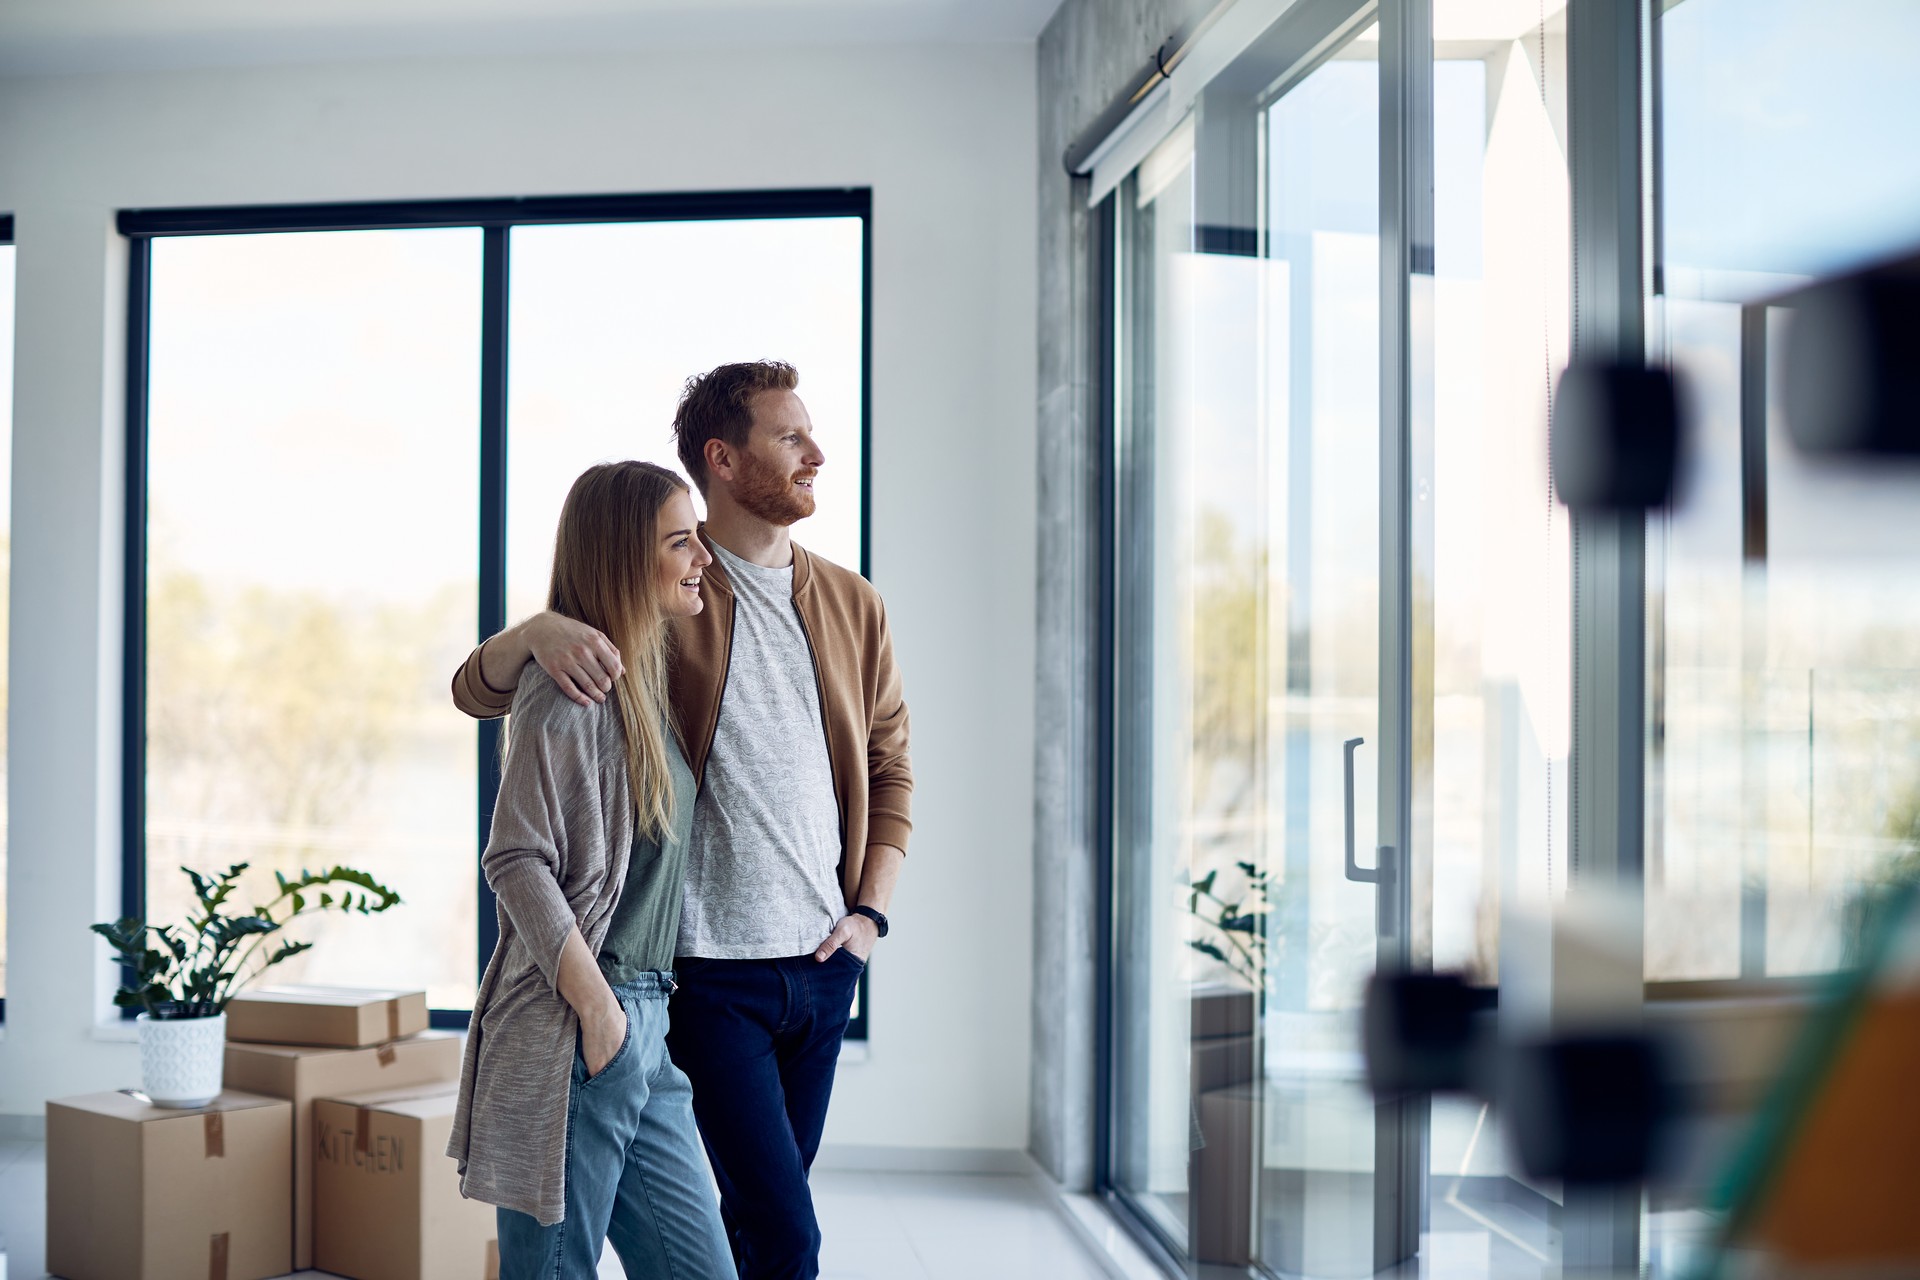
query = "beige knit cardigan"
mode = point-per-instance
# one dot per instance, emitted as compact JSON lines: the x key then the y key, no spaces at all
{"x":557,"y":857}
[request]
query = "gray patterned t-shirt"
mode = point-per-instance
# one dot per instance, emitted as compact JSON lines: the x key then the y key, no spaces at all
{"x":763,"y":862}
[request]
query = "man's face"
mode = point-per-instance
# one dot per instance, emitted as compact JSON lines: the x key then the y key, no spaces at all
{"x":774,"y":477}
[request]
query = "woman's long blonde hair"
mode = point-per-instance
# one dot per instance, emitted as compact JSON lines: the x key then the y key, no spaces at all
{"x":606,"y":572}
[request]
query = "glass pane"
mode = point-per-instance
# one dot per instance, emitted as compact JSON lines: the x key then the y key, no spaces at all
{"x":313,"y":491}
{"x":1319,"y":516}
{"x":1783,"y":758}
{"x":1785,"y":775}
{"x":1502,"y":657}
{"x":1502,"y":611}
{"x":1156,"y":971}
{"x":1785,"y":138}
{"x":610,"y":320}
{"x":1247,"y":633}
{"x":6,"y":564}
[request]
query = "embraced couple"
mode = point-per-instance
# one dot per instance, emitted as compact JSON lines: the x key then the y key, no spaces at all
{"x":705,"y":797}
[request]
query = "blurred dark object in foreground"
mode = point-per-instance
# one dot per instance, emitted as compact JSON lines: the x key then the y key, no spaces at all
{"x":1852,"y":376}
{"x":1827,"y":1177}
{"x":1585,"y":1107}
{"x":1616,"y":436}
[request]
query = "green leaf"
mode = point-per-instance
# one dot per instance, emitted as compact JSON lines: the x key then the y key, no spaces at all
{"x":1206,"y":948}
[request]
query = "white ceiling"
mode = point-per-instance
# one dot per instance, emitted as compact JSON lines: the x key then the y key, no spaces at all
{"x":55,"y":36}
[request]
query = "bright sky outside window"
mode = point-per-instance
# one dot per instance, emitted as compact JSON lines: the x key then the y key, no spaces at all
{"x":609,"y":320}
{"x":313,"y":489}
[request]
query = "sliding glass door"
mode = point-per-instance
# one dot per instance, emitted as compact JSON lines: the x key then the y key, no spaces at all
{"x":1340,"y":616}
{"x":1248,"y":716}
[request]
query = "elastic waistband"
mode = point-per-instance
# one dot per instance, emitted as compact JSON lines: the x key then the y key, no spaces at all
{"x":654,"y":984}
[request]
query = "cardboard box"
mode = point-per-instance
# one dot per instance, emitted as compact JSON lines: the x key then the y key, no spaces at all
{"x":139,"y":1192}
{"x":343,"y":1017}
{"x":386,"y":1196}
{"x":301,"y":1073}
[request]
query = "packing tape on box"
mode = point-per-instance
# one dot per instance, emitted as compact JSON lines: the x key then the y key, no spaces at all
{"x":217,"y":1250}
{"x":393,"y":1019}
{"x":216,"y":1134}
{"x":386,"y":1055}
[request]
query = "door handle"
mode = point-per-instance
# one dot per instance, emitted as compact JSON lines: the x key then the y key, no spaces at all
{"x":1365,"y":875}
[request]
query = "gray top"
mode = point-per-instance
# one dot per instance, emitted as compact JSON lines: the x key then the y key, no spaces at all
{"x":557,"y":860}
{"x":647,"y":920}
{"x":763,"y":863}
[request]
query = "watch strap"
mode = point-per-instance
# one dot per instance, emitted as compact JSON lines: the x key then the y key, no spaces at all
{"x":879,"y":918}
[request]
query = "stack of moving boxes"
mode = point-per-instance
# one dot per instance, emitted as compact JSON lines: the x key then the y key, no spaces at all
{"x":325,"y":1151}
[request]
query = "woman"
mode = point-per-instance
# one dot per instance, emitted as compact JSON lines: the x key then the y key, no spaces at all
{"x":571,"y":1118}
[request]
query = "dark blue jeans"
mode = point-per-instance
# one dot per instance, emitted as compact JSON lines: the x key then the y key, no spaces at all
{"x":760,"y":1040}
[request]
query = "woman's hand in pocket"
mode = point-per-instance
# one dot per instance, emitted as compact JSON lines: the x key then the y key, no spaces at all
{"x":602,"y":1034}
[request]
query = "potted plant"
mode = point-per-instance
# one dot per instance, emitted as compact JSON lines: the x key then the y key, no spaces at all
{"x":181,"y":977}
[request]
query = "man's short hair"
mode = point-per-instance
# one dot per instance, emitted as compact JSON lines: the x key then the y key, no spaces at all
{"x":718,"y":405}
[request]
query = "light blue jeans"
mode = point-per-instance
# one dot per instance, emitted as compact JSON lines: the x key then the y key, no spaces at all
{"x":635,"y":1172}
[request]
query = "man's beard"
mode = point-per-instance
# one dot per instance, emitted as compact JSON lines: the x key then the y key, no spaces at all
{"x":770,"y":494}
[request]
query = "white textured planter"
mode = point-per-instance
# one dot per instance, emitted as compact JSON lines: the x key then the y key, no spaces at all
{"x":182,"y":1059}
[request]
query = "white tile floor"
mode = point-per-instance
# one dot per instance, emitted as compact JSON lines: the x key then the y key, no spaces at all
{"x":878,"y":1226}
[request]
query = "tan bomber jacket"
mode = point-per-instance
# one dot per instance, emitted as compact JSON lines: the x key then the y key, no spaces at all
{"x":861,"y":702}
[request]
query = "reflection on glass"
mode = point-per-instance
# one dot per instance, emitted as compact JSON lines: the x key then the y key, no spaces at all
{"x":6,"y":564}
{"x":313,"y":488}
{"x":1502,"y":657}
{"x":1248,"y":622}
{"x":1154,"y":732}
{"x":609,"y":321}
{"x":1785,"y":776}
{"x":1783,"y":758}
{"x":1319,"y":368}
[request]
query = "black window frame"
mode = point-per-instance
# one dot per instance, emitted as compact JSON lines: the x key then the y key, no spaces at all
{"x":494,"y":218}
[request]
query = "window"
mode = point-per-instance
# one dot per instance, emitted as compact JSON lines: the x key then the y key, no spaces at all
{"x":1784,"y":764}
{"x":313,"y":490}
{"x":6,"y":556}
{"x":609,"y":319}
{"x":352,"y":431}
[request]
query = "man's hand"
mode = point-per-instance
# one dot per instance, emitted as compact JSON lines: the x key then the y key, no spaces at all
{"x":856,"y":933}
{"x":581,"y":660}
{"x":602,"y":1035}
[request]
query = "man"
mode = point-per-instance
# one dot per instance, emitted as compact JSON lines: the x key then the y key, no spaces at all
{"x":789,"y":707}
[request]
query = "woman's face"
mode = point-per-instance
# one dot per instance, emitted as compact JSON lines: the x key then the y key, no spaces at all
{"x":682,"y":557}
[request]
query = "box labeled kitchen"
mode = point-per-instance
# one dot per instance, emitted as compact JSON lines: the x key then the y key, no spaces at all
{"x":302,"y":1073}
{"x":386,"y":1196}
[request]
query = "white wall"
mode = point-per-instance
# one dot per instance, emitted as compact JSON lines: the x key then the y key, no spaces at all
{"x":944,"y":136}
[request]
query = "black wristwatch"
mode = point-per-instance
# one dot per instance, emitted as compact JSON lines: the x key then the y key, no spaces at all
{"x":878,"y":918}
